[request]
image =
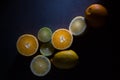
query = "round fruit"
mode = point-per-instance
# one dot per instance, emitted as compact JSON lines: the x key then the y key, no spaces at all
{"x":47,"y":49}
{"x":27,"y":44}
{"x":40,"y":65}
{"x":77,"y":25}
{"x":62,"y":39}
{"x":44,"y":34}
{"x":65,"y":59}
{"x":96,"y":15}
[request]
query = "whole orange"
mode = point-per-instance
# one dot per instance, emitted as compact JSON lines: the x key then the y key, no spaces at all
{"x":96,"y":15}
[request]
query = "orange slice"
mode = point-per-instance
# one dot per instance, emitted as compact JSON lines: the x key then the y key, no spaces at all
{"x":27,"y":45}
{"x":62,"y":39}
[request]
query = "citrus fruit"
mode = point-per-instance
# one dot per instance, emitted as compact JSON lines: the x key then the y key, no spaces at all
{"x":96,"y":15}
{"x":44,"y":34}
{"x":27,"y":44}
{"x":62,"y":39}
{"x":66,"y":59}
{"x":40,"y":65}
{"x":77,"y":25}
{"x":47,"y":49}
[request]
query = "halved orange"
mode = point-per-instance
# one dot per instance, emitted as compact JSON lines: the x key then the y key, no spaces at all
{"x":27,"y":44}
{"x":62,"y":39}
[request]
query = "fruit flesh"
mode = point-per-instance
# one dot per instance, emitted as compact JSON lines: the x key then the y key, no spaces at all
{"x":47,"y":49}
{"x":27,"y":44}
{"x":44,"y":34}
{"x":62,"y":39}
{"x":77,"y":25}
{"x":40,"y":65}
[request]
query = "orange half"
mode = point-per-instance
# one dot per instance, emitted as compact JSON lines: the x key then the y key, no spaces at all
{"x":62,"y":39}
{"x":27,"y":44}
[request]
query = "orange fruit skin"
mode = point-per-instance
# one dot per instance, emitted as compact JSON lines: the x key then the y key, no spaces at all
{"x":62,"y":39}
{"x":27,"y":44}
{"x":96,"y":15}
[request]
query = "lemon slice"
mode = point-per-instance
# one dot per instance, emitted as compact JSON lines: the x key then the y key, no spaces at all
{"x":77,"y":25}
{"x":40,"y":65}
{"x":27,"y":44}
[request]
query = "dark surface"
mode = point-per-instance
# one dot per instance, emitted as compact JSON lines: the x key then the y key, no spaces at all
{"x":28,"y":16}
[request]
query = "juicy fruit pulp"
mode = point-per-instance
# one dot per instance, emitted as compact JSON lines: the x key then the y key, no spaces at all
{"x":44,"y":34}
{"x":27,"y":45}
{"x":47,"y":49}
{"x":40,"y":65}
{"x":65,"y":59}
{"x":62,"y":39}
{"x":96,"y":15}
{"x":77,"y":25}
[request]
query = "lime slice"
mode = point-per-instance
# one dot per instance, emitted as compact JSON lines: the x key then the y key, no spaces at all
{"x":77,"y":25}
{"x":47,"y":49}
{"x":44,"y":34}
{"x":40,"y":65}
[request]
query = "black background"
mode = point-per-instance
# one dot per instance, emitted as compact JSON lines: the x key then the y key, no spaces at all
{"x":28,"y":16}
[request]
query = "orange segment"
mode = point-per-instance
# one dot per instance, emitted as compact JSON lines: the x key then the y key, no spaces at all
{"x":62,"y":39}
{"x":27,"y":45}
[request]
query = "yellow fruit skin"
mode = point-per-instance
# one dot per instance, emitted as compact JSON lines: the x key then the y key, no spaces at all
{"x":65,"y":59}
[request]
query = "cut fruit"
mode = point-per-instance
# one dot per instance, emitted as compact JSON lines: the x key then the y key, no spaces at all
{"x":47,"y":49}
{"x":62,"y":39}
{"x":40,"y":65}
{"x":27,"y":44}
{"x":65,"y":59}
{"x":77,"y":25}
{"x":44,"y":34}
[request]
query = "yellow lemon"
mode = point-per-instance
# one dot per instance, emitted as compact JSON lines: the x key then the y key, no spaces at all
{"x":40,"y":65}
{"x":27,"y":44}
{"x":66,"y":59}
{"x":77,"y":25}
{"x":62,"y":39}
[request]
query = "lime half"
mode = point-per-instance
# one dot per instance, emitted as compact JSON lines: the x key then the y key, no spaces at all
{"x":47,"y":49}
{"x":40,"y":65}
{"x":44,"y":34}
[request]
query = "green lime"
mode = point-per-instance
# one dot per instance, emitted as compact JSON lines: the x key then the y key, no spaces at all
{"x":40,"y":65}
{"x":44,"y":34}
{"x":77,"y":25}
{"x":47,"y":49}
